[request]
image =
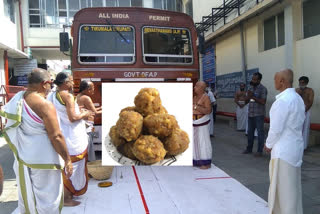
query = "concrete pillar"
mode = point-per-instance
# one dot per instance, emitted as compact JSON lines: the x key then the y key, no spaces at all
{"x":6,"y":67}
{"x":289,"y":40}
{"x":200,"y":66}
{"x":2,"y":74}
{"x":293,"y":32}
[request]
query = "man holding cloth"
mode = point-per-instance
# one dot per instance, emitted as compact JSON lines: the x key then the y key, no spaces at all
{"x":74,"y":129}
{"x":202,"y":151}
{"x":86,"y":89}
{"x":242,"y":107}
{"x":33,"y":134}
{"x":285,"y":143}
{"x":257,"y":98}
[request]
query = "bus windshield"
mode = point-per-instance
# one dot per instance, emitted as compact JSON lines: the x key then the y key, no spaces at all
{"x":106,"y":44}
{"x":163,"y":45}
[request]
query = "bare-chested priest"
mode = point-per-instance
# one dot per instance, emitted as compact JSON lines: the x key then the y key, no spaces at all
{"x":73,"y":127}
{"x":33,"y":134}
{"x":242,"y":107}
{"x":307,"y":95}
{"x":202,"y":151}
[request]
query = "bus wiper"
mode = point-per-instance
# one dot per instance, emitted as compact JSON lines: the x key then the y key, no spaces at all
{"x":120,"y":34}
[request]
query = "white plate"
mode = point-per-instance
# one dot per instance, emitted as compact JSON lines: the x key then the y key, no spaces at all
{"x":112,"y":151}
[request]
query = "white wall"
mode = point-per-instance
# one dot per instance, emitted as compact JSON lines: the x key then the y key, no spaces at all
{"x":43,"y":37}
{"x":228,"y":53}
{"x":8,"y":35}
{"x":228,"y":60}
{"x":308,"y":64}
{"x":305,"y":61}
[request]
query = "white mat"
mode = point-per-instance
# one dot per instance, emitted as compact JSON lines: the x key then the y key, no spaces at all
{"x":171,"y":190}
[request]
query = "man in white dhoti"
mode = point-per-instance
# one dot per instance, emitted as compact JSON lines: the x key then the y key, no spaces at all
{"x":74,"y":129}
{"x":307,"y":95}
{"x":242,"y":108}
{"x":33,"y":134}
{"x":86,"y":89}
{"x":285,"y":143}
{"x":202,"y":151}
{"x":213,"y":101}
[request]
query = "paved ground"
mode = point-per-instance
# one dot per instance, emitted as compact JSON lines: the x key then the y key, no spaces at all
{"x":253,"y":172}
{"x":8,"y":199}
{"x":227,"y":147}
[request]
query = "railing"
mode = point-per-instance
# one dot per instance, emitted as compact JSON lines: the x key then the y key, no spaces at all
{"x":8,"y":91}
{"x":219,"y":13}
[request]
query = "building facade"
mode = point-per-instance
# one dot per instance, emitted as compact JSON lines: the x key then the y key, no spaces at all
{"x":45,"y":19}
{"x":32,"y":29}
{"x":10,"y":43}
{"x":265,"y":36}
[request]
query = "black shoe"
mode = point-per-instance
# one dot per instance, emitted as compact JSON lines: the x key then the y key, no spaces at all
{"x":246,"y":152}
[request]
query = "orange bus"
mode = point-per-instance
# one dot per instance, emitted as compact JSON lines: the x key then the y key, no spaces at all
{"x":122,"y":44}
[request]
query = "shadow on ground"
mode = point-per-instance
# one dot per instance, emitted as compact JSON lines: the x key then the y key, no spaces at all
{"x":228,"y":145}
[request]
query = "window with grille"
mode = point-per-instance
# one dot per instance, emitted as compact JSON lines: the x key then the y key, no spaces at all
{"x":56,"y":13}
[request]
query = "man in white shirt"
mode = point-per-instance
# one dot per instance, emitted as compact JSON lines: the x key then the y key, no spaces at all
{"x":285,"y":143}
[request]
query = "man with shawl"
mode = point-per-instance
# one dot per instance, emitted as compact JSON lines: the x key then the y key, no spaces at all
{"x":73,"y":128}
{"x":202,"y":152}
{"x":33,"y":134}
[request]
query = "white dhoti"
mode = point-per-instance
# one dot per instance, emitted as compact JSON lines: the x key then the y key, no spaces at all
{"x":202,"y":150}
{"x":37,"y":165}
{"x":90,"y":133}
{"x":40,"y":191}
{"x":77,"y":143}
{"x":285,"y":195}
{"x":306,"y":129}
{"x":91,"y":153}
{"x":242,"y":117}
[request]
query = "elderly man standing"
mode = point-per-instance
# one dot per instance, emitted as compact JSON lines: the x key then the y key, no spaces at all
{"x":307,"y":95}
{"x":74,"y":130}
{"x":257,"y":97}
{"x":242,"y":108}
{"x":86,"y":90}
{"x":202,"y":151}
{"x":285,"y":143}
{"x":34,"y":136}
